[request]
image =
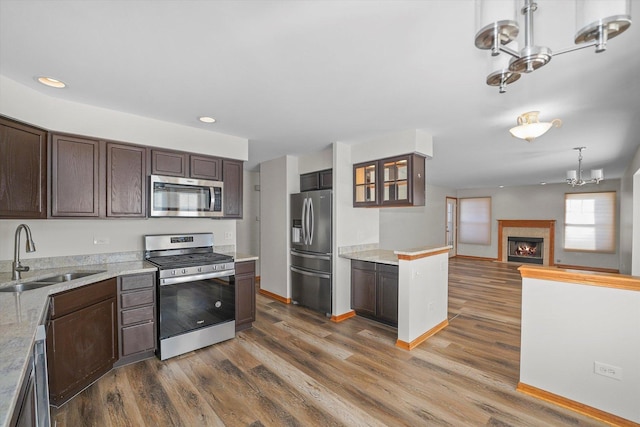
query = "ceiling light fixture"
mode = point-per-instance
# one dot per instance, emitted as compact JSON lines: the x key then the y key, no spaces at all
{"x":530,"y":127}
{"x":48,"y":81}
{"x":206,"y":119}
{"x":596,"y":22}
{"x":575,"y":177}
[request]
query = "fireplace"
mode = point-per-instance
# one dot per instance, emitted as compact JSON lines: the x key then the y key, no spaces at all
{"x":523,"y":229}
{"x":525,"y":249}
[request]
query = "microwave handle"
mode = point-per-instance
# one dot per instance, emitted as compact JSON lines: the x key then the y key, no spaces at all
{"x":212,"y":197}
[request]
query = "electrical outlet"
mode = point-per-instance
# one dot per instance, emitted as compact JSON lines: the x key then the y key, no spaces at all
{"x":228,"y":235}
{"x":100,"y":240}
{"x":610,"y":371}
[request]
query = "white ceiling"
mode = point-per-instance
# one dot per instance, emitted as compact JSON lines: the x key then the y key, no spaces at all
{"x":295,"y":76}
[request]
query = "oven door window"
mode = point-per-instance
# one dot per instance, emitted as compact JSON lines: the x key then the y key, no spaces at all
{"x":193,"y":305}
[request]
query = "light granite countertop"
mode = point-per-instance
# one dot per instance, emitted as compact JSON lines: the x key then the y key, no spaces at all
{"x":20,"y":314}
{"x":390,"y":256}
{"x":380,"y":256}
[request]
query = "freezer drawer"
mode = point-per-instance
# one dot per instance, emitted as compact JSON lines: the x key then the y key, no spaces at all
{"x":308,"y":261}
{"x":311,"y":290}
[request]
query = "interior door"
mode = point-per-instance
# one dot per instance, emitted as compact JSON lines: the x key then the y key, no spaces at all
{"x":451,"y":223}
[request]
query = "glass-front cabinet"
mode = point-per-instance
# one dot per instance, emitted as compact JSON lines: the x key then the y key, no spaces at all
{"x":394,"y":181}
{"x":365,"y":189}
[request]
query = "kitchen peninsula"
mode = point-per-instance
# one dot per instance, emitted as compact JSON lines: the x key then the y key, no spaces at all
{"x":422,"y":288}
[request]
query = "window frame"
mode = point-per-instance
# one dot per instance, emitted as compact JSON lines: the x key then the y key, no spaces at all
{"x":613,"y":225}
{"x":462,"y":224}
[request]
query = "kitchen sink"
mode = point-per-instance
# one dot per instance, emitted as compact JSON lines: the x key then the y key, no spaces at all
{"x":68,"y":276}
{"x":48,"y":281}
{"x":19,"y":287}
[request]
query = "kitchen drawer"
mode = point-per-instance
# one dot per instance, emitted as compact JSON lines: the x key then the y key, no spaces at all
{"x":246,"y":267}
{"x":138,"y":338}
{"x":137,"y":281}
{"x":137,"y":315}
{"x":69,"y":301}
{"x":133,"y":299}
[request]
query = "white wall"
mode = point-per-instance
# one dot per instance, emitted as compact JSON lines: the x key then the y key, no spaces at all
{"x":561,"y":340}
{"x":392,"y":144}
{"x":351,"y":226}
{"x":405,"y":228}
{"x":538,"y":202}
{"x":276,"y":183}
{"x":630,"y":217}
{"x":316,"y":161}
{"x":248,"y":228}
{"x":61,"y":237}
{"x":27,"y":105}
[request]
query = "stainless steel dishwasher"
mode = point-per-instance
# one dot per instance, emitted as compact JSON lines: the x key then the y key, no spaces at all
{"x":32,"y":408}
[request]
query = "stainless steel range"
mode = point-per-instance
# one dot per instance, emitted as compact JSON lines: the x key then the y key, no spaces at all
{"x":196,"y":292}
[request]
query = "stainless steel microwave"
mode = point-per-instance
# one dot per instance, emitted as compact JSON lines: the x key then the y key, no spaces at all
{"x":185,"y":197}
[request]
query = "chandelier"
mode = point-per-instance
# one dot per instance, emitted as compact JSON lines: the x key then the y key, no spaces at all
{"x":597,"y":21}
{"x":530,"y":127}
{"x":575,"y":177}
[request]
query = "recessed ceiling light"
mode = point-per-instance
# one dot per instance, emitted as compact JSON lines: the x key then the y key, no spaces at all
{"x":543,"y":183}
{"x":48,"y":81}
{"x":206,"y":119}
{"x":500,"y":186}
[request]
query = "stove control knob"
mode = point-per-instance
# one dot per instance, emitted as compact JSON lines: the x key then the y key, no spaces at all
{"x":199,"y":269}
{"x":173,"y":272}
{"x":184,"y":271}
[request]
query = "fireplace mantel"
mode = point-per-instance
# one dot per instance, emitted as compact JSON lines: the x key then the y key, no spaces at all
{"x":548,"y":226}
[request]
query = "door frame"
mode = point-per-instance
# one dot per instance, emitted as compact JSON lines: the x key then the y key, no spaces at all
{"x":453,"y":238}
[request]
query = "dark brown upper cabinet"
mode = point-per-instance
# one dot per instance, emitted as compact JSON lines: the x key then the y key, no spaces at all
{"x":205,"y":167}
{"x":97,"y":179}
{"x":23,"y":170}
{"x":126,"y":180}
{"x":232,"y":177}
{"x":75,"y":176}
{"x":171,"y":163}
{"x":319,"y":180}
{"x":394,"y":181}
{"x":186,"y":165}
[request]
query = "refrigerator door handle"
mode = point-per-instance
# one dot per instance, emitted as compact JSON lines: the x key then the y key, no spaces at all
{"x":308,"y":273}
{"x":303,"y":215}
{"x":324,"y":257}
{"x":312,"y":221}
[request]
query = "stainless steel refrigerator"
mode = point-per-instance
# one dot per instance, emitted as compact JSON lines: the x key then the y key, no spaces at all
{"x":311,"y":250}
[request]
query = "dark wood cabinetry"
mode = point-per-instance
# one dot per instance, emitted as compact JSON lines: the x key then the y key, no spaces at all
{"x":171,"y":163}
{"x":136,"y":317}
{"x":93,"y":178}
{"x":186,"y":165}
{"x":245,"y":280}
{"x":394,"y":181}
{"x":23,"y":170}
{"x":233,"y":180}
{"x":126,"y":180}
{"x":204,"y":167}
{"x":319,"y":180}
{"x":82,"y":340}
{"x":75,"y":176}
{"x":374,"y":291}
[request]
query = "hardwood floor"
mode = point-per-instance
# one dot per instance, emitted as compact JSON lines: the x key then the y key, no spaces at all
{"x":297,"y":368}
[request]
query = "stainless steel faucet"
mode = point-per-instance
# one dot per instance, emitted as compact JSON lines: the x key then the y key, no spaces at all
{"x":30,"y":247}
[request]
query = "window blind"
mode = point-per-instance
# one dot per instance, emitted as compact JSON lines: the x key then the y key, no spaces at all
{"x":475,"y":221}
{"x":589,"y":222}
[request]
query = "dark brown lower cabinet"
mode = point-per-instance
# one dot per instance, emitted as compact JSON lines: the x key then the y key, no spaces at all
{"x":374,"y":291}
{"x":136,"y":317}
{"x":245,"y":294}
{"x":82,"y":340}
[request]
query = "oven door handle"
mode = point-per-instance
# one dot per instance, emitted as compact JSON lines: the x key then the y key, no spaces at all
{"x":195,"y":277}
